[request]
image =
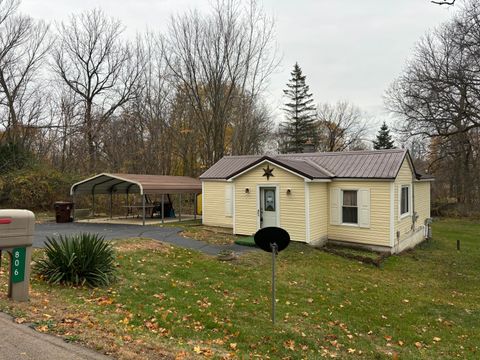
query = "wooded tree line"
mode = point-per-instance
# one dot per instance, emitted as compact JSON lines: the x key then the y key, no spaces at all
{"x":83,"y":97}
{"x":438,"y":99}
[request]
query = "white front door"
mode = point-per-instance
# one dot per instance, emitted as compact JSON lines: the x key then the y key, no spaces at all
{"x":268,"y":207}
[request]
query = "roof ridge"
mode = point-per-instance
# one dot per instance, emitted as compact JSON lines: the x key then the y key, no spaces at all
{"x":241,"y":156}
{"x":337,"y":153}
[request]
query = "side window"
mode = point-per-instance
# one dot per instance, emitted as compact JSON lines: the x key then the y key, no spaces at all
{"x":350,"y":207}
{"x":405,"y":200}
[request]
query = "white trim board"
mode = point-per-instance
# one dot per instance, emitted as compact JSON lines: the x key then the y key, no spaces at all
{"x":234,"y":189}
{"x":307,"y":212}
{"x":203,"y":201}
{"x":271,"y":163}
{"x":392,"y":214}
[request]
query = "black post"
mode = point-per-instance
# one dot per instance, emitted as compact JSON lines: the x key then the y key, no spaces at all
{"x":458,"y":245}
{"x":274,"y":247}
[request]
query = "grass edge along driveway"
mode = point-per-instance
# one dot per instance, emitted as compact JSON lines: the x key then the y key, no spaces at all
{"x":175,"y":303}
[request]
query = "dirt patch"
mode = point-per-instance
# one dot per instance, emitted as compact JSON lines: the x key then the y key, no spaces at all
{"x":142,"y":244}
{"x":210,"y":235}
{"x":366,"y":257}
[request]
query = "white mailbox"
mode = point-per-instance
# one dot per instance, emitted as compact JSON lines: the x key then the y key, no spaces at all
{"x":16,"y":237}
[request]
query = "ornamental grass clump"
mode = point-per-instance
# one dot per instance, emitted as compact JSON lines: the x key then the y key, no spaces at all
{"x":79,"y":260}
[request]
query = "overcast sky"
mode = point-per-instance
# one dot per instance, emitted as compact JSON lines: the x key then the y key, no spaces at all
{"x":348,"y":49}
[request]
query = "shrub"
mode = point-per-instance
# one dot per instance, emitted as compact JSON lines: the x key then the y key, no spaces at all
{"x":35,"y":188}
{"x":83,"y":259}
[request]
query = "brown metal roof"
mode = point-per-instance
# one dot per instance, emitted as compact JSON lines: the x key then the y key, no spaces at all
{"x":136,"y":183}
{"x":373,"y":164}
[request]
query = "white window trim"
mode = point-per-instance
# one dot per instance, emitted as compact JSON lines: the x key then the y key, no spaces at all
{"x":409,"y":212}
{"x":341,"y":208}
{"x":350,"y":224}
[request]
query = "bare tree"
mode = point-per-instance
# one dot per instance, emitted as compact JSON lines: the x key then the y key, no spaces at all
{"x":340,"y":127}
{"x":94,"y":62}
{"x":217,"y":59}
{"x":438,"y":96}
{"x":23,"y":46}
{"x":443,"y":2}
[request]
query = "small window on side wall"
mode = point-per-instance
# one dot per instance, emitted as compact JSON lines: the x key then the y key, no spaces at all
{"x":405,"y":200}
{"x":349,"y":207}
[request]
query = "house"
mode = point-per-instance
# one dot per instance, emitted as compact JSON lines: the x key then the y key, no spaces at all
{"x":373,"y":199}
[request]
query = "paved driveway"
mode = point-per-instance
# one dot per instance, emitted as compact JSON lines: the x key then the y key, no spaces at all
{"x":118,"y":231}
{"x":23,"y":342}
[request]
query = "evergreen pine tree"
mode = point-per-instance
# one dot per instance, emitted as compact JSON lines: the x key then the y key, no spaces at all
{"x":384,"y":139}
{"x":299,"y":127}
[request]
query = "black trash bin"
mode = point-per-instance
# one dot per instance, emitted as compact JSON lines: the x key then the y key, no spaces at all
{"x":63,"y":211}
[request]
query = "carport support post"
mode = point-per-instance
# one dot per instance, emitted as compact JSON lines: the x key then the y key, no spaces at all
{"x":180,"y":209}
{"x":163,"y":208}
{"x":126,"y":203}
{"x":93,"y":203}
{"x":74,"y":207}
{"x":143,"y":209}
{"x":194,"y":206}
{"x":111,"y":204}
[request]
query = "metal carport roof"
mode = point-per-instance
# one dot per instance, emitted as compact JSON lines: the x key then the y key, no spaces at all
{"x":106,"y":183}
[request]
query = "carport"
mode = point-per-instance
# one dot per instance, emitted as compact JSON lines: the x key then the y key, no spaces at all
{"x":143,"y":185}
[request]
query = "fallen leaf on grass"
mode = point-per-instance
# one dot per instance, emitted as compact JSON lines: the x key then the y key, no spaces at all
{"x":203,"y":351}
{"x":181,"y":355}
{"x":418,"y":345}
{"x":43,"y":328}
{"x":436,"y":339}
{"x":233,"y":346}
{"x":159,"y":296}
{"x":289,"y":345}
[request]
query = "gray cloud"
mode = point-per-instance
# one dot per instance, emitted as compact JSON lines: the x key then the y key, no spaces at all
{"x":348,"y":49}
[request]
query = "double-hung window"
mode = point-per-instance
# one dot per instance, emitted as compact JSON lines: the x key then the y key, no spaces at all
{"x":405,"y":200}
{"x":349,"y":207}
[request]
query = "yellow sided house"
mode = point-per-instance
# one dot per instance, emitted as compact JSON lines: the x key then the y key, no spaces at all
{"x":373,"y":199}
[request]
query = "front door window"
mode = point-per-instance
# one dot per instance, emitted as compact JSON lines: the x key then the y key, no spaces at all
{"x":268,"y":207}
{"x":269,"y":200}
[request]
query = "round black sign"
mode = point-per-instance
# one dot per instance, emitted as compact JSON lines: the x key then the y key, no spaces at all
{"x":269,"y":235}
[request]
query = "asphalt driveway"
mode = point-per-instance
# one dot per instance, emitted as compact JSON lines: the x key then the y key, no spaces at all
{"x":119,"y":231}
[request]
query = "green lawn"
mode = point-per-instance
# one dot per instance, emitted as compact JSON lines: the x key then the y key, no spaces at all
{"x":424,"y":304}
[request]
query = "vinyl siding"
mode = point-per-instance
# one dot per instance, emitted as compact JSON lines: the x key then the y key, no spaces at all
{"x":404,"y":177}
{"x":422,"y":201}
{"x":291,"y":207}
{"x":318,"y":211}
{"x":214,"y":204}
{"x":379,"y":231}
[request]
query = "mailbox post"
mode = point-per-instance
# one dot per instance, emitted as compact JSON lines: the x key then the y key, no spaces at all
{"x":16,"y":238}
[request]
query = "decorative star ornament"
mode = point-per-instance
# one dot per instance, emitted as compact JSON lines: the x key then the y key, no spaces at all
{"x":268,"y":172}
